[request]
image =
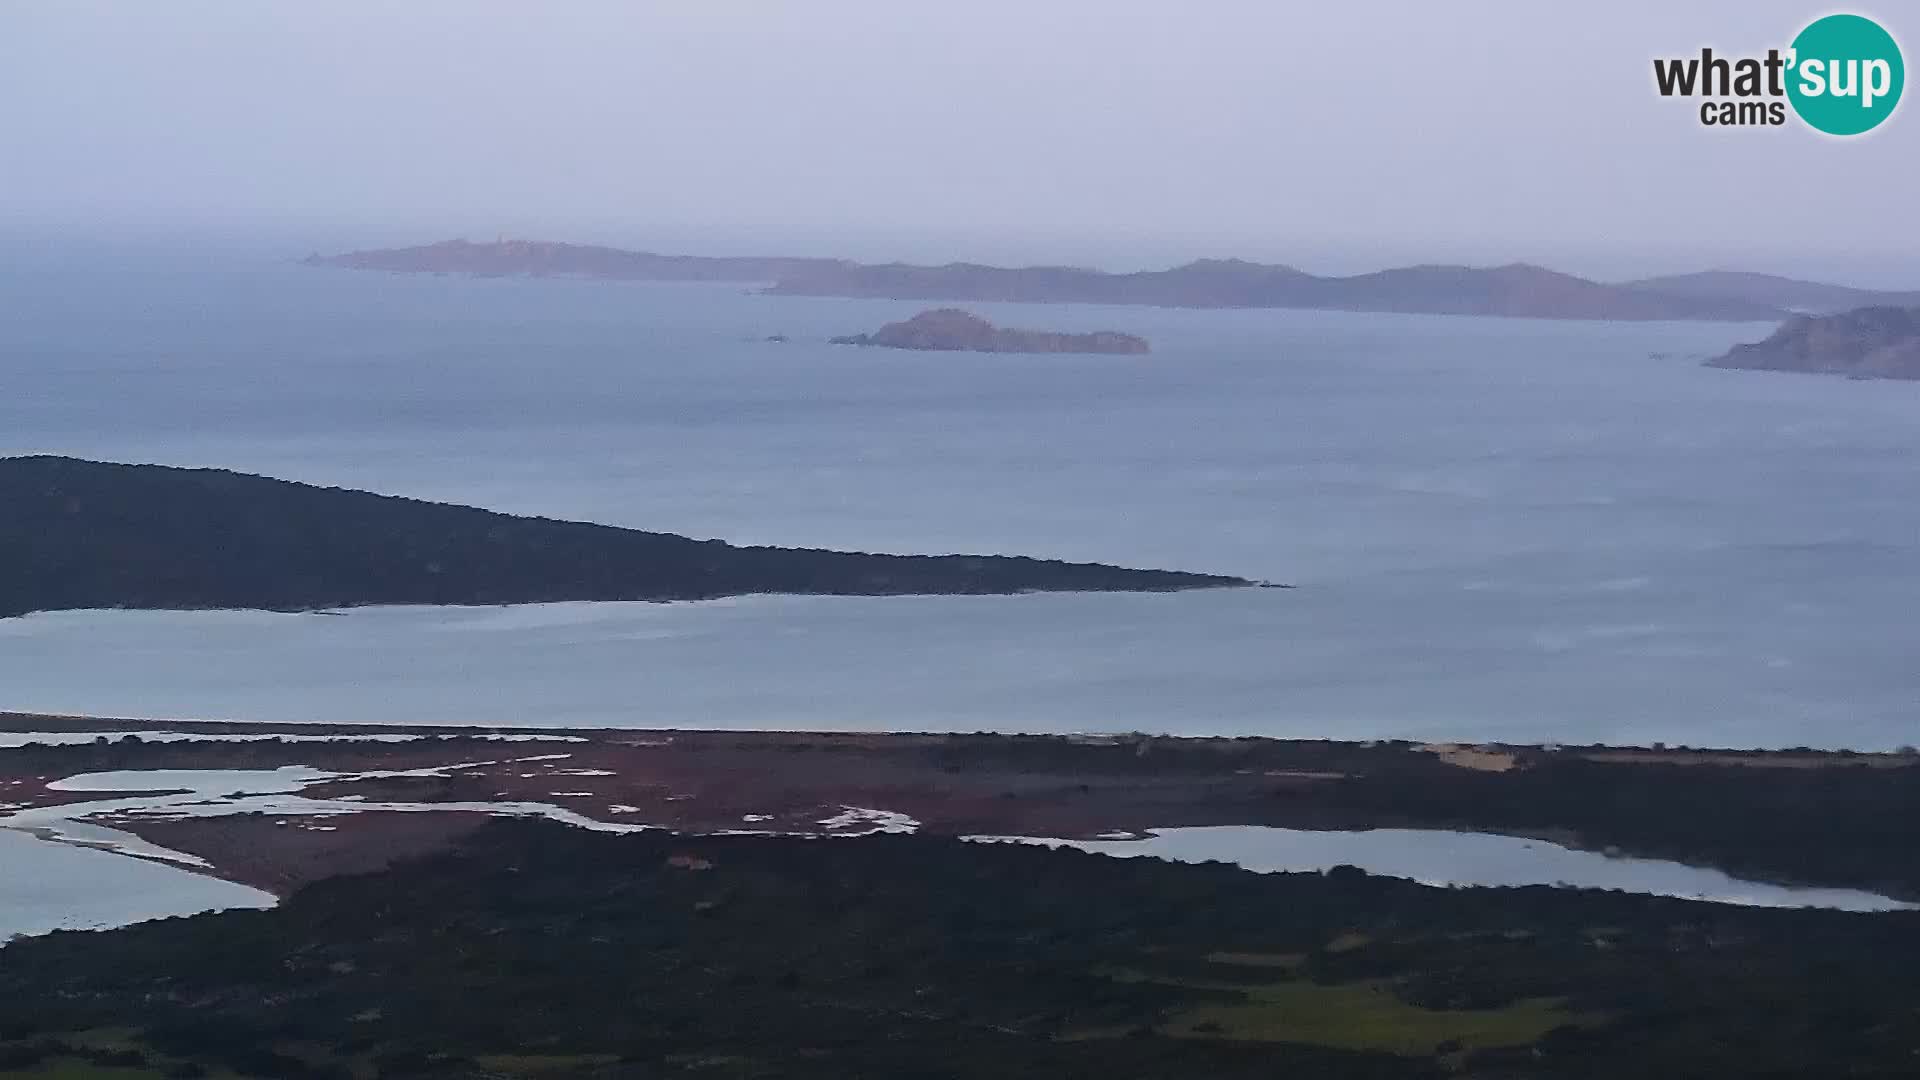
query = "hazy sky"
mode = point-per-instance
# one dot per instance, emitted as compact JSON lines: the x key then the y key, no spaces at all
{"x":1369,"y":131}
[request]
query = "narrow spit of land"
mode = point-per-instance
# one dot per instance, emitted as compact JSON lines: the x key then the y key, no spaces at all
{"x":81,"y":534}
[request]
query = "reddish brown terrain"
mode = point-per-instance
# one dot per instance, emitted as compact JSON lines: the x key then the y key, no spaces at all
{"x":685,"y":781}
{"x":276,"y":854}
{"x":1744,"y":811}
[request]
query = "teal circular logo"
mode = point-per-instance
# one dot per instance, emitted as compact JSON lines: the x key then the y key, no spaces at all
{"x":1846,"y":74}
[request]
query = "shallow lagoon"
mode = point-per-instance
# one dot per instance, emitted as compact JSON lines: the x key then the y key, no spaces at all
{"x":1437,"y":857}
{"x":48,"y":886}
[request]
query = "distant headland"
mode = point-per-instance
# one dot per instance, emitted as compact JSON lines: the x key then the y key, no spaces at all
{"x":950,"y":329}
{"x":541,"y":258}
{"x":1516,"y":290}
{"x":1866,"y":343}
{"x":1788,"y":294}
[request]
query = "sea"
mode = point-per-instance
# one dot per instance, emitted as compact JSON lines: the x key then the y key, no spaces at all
{"x":1498,"y":529}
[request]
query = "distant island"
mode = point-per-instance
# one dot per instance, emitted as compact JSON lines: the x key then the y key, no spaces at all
{"x":540,"y":258}
{"x":950,"y":329}
{"x":1519,"y":290}
{"x":86,"y":534}
{"x":1788,"y":294}
{"x":1866,"y":343}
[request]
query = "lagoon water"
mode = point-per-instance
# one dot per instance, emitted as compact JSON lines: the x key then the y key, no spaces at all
{"x":47,"y":886}
{"x":1438,"y":857}
{"x":1505,"y":529}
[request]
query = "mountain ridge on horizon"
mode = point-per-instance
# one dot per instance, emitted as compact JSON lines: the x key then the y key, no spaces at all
{"x":1516,"y":289}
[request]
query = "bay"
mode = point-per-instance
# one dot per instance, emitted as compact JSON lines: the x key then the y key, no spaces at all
{"x":1528,"y":530}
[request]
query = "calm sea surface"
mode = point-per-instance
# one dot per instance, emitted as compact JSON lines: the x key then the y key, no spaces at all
{"x":1500,"y":528}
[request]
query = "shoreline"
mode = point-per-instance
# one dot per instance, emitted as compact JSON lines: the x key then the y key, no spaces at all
{"x":14,"y":721}
{"x":1790,"y":818}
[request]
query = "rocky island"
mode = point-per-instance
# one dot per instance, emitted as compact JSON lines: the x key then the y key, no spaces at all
{"x":87,"y":534}
{"x":1866,"y":343}
{"x":953,"y":330}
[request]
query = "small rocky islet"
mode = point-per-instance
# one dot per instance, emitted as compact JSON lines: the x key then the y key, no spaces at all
{"x":953,"y":330}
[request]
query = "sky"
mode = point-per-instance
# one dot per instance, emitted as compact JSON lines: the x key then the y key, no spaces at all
{"x":1343,"y":135}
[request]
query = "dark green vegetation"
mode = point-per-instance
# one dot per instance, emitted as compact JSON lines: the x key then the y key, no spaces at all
{"x":547,"y":952}
{"x":1854,"y":826}
{"x":1843,"y":820}
{"x":85,"y":534}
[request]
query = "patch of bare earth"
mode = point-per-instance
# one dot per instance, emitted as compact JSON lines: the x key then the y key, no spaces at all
{"x":280,"y":853}
{"x":1478,"y":758}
